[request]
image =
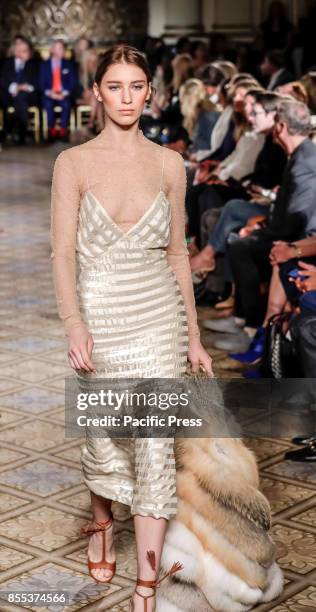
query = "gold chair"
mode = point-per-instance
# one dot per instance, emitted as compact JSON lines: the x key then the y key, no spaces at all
{"x":58,"y":109}
{"x":83,"y":115}
{"x":35,"y":124}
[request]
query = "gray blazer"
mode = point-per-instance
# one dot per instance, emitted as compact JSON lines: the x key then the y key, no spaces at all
{"x":293,"y":214}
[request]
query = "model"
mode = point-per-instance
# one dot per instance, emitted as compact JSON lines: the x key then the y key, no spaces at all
{"x":124,"y":292}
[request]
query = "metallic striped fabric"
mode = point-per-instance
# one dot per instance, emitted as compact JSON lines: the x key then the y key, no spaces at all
{"x":133,"y":307}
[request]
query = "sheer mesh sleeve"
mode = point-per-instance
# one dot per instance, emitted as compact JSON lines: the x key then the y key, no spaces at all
{"x":177,"y":252}
{"x":65,"y":202}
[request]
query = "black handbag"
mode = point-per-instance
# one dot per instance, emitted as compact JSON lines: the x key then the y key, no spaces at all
{"x":280,"y":359}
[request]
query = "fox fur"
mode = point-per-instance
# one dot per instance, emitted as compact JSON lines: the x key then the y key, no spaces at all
{"x":220,"y":533}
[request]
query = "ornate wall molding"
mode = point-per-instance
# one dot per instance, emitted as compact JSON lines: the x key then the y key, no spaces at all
{"x":100,"y":20}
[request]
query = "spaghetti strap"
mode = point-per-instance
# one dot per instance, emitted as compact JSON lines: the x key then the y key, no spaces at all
{"x":163,"y":166}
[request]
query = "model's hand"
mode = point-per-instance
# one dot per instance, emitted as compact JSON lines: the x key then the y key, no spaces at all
{"x":199,"y":357}
{"x":80,"y":345}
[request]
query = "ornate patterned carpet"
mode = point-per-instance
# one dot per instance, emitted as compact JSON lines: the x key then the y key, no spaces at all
{"x":43,"y":501}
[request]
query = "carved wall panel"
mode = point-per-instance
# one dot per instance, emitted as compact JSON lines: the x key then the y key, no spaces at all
{"x":100,"y":20}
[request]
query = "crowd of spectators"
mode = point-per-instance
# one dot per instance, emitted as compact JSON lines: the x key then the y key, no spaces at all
{"x":244,"y":121}
{"x":63,"y":80}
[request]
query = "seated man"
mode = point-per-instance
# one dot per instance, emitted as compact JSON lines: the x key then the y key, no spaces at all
{"x":293,"y":215}
{"x":267,"y":175}
{"x":19,"y":85}
{"x":58,"y":82}
{"x":302,"y":293}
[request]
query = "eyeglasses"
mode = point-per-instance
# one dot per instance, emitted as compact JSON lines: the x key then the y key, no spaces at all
{"x":255,"y":113}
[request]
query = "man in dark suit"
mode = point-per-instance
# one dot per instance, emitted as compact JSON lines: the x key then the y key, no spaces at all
{"x":58,"y":81}
{"x":19,"y":85}
{"x":293,"y":215}
{"x":273,"y":69}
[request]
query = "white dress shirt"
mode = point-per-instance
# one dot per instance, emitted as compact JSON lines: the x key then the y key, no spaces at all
{"x":241,"y":161}
{"x":13,"y":87}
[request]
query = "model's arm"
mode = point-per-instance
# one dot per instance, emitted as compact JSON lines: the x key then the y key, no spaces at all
{"x":177,"y":253}
{"x":65,"y":201}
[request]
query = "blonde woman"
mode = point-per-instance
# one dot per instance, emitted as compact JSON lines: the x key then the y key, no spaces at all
{"x":87,"y":58}
{"x":199,"y":113}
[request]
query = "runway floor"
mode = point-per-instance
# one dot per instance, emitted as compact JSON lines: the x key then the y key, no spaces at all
{"x":43,"y":500}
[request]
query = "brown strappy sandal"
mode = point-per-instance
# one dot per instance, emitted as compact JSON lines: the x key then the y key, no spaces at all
{"x":153,"y":584}
{"x":89,"y":529}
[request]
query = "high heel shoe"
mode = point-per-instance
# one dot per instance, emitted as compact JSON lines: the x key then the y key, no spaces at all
{"x":153,"y":584}
{"x":89,"y":529}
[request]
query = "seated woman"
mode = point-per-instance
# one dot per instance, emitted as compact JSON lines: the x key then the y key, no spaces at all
{"x":258,"y":194}
{"x":221,"y":185}
{"x":87,"y":58}
{"x":199,"y":113}
{"x":166,"y":108}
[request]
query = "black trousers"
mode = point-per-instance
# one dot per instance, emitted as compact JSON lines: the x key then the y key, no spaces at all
{"x":249,"y":258}
{"x":21,"y":103}
{"x":303,"y":332}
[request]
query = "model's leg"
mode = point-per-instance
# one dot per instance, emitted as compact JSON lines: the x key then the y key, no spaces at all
{"x":101,"y":511}
{"x":154,"y":502}
{"x":150,"y":534}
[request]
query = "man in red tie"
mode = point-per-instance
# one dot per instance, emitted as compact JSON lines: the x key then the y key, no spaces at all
{"x":58,"y":83}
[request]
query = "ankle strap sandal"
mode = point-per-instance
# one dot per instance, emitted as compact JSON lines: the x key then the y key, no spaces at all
{"x":89,"y":529}
{"x":153,"y":584}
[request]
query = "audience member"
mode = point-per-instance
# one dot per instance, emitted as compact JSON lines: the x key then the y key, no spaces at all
{"x":199,"y":54}
{"x":223,"y":181}
{"x":58,"y":82}
{"x":267,"y":175}
{"x":274,"y":70}
{"x":295,"y":90}
{"x":87,"y":58}
{"x":19,"y":85}
{"x":277,"y":30}
{"x":199,"y":113}
{"x":292,"y":217}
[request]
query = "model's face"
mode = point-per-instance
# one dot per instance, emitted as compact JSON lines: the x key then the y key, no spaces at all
{"x":123,"y":91}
